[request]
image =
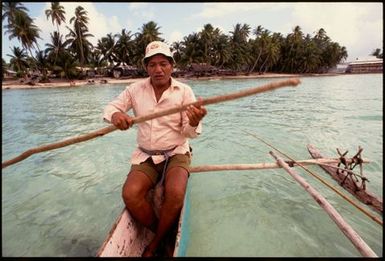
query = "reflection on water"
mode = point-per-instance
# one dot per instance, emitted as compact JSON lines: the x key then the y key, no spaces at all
{"x":63,"y":202}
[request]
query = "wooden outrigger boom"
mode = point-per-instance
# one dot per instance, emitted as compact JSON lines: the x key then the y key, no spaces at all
{"x":205,"y":168}
{"x":349,"y":232}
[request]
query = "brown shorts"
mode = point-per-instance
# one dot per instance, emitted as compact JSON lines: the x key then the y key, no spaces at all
{"x":154,"y":171}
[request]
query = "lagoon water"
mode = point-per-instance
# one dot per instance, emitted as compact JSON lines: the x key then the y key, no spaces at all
{"x":64,"y":202}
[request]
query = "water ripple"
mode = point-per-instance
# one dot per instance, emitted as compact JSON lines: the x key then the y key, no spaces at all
{"x":48,"y":200}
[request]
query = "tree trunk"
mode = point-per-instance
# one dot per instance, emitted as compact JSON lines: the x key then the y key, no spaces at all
{"x":256,"y":61}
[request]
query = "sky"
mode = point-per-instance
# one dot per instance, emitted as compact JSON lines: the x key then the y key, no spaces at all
{"x":356,"y":26}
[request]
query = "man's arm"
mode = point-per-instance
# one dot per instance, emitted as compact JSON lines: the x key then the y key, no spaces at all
{"x":195,"y":114}
{"x":114,"y":112}
{"x":192,"y":117}
{"x":121,"y":120}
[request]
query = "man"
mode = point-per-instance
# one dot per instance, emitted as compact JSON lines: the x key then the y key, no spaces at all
{"x":163,"y":152}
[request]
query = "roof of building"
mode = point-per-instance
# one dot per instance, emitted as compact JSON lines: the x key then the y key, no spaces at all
{"x":367,"y":60}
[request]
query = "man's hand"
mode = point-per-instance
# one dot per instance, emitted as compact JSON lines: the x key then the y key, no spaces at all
{"x":195,"y":114}
{"x":121,"y":120}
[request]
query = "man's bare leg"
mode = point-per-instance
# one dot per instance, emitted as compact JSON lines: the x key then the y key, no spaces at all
{"x":134,"y":194}
{"x":175,"y":188}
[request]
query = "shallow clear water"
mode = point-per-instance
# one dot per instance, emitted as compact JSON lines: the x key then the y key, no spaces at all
{"x":63,"y":202}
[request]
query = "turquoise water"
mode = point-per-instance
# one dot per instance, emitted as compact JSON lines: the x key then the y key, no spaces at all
{"x":63,"y":202}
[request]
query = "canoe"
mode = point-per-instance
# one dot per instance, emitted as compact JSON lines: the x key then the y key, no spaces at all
{"x":128,"y":238}
{"x":355,"y":187}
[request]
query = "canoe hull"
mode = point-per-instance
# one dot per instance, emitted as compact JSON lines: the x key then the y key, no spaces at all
{"x":127,"y":238}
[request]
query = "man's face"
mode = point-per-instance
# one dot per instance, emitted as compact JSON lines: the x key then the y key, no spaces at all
{"x":159,"y":69}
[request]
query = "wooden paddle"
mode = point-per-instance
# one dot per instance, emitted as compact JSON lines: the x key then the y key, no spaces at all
{"x":216,"y":99}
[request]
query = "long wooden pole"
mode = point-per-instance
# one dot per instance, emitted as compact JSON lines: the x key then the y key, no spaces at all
{"x":376,"y":219}
{"x":215,"y":99}
{"x":349,"y":232}
{"x":224,"y":167}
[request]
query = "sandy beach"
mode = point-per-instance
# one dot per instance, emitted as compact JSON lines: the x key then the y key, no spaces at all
{"x":54,"y":83}
{"x":16,"y":84}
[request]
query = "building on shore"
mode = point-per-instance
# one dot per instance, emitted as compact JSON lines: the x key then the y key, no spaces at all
{"x":369,"y":64}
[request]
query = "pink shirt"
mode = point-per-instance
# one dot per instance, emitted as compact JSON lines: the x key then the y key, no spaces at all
{"x":161,"y":133}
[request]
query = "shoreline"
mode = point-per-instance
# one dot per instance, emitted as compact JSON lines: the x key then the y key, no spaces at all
{"x":56,"y":83}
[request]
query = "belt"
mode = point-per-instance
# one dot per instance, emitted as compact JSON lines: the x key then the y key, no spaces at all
{"x":156,"y":153}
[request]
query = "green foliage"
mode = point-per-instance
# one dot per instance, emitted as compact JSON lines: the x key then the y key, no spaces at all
{"x":19,"y":60}
{"x":244,"y":49}
{"x":377,"y":53}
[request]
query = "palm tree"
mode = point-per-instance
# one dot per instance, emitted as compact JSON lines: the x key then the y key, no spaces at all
{"x":222,"y":51}
{"x":334,"y":54}
{"x":239,"y":45}
{"x":271,"y":53}
{"x":56,"y":46}
{"x":97,"y":61}
{"x":344,"y":54}
{"x":149,"y":32}
{"x":106,"y":46}
{"x":377,"y":52}
{"x":18,"y":60}
{"x":293,"y":51}
{"x":79,"y":34}
{"x":24,"y":30}
{"x":11,"y":9}
{"x":124,"y":47}
{"x":66,"y":65}
{"x":176,"y":47}
{"x":192,"y":50}
{"x":277,"y":41}
{"x":79,"y":45}
{"x":56,"y":13}
{"x":311,"y":59}
{"x":259,"y":45}
{"x":42,"y":64}
{"x":208,"y":37}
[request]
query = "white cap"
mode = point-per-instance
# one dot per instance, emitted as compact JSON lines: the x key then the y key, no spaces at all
{"x":157,"y":47}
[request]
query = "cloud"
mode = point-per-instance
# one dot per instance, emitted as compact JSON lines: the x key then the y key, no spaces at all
{"x":353,"y":25}
{"x":114,"y":25}
{"x":141,"y":10}
{"x":98,"y":24}
{"x":357,"y":26}
{"x":219,"y":10}
{"x":175,"y":36}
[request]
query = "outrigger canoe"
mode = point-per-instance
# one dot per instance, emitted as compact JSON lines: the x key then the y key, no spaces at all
{"x":128,"y":238}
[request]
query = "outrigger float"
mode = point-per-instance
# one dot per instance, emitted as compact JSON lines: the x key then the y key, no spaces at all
{"x":128,"y":238}
{"x":343,"y":173}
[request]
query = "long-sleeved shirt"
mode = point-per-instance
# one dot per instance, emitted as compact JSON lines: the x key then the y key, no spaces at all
{"x":163,"y":133}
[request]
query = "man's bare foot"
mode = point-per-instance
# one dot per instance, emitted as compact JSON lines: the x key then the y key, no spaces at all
{"x":148,"y":252}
